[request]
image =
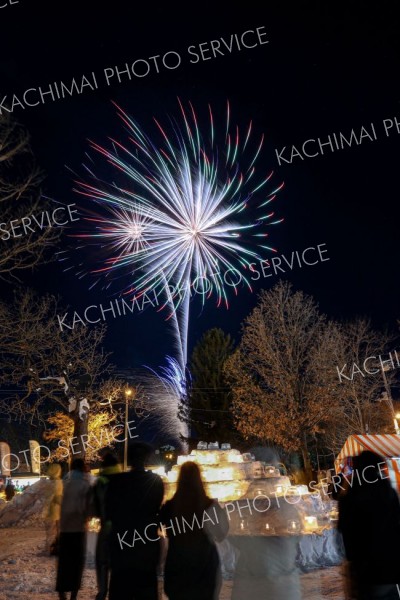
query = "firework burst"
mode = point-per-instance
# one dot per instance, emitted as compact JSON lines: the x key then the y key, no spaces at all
{"x":182,"y":217}
{"x":190,"y":207}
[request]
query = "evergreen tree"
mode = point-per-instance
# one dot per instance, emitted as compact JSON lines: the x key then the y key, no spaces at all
{"x":208,"y":408}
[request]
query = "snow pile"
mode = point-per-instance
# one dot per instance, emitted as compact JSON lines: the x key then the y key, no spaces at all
{"x":26,"y":509}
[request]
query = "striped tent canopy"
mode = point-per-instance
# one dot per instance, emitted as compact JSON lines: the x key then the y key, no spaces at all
{"x":384,"y":445}
{"x":387,"y":446}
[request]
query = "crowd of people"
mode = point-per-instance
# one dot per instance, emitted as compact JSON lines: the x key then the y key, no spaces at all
{"x":132,"y":502}
{"x":132,"y":551}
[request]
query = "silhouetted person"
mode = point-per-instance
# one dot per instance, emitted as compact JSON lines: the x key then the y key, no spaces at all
{"x":74,"y":512}
{"x":9,"y":491}
{"x":193,"y":522}
{"x":133,"y":501}
{"x":110,"y":467}
{"x":369,"y":518}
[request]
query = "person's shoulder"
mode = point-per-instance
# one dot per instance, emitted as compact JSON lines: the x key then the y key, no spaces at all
{"x":118,"y":480}
{"x":106,"y":478}
{"x":143,"y":474}
{"x":215,"y":506}
{"x":147,"y":479}
{"x":81,"y":483}
{"x":168,"y":504}
{"x":166,"y":509}
{"x":210,"y":503}
{"x":110,"y":476}
{"x":153,"y":476}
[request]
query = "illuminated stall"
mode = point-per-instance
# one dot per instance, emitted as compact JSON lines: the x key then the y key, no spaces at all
{"x":386,"y":445}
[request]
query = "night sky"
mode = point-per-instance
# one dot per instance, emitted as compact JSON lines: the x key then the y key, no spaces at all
{"x":325,"y":69}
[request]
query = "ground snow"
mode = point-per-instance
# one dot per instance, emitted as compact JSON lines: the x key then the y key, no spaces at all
{"x":26,"y":573}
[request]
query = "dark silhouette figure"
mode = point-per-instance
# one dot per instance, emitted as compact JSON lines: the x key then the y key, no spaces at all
{"x":9,"y":491}
{"x":369,"y":519}
{"x":133,"y":502}
{"x":74,"y":512}
{"x":110,"y":467}
{"x":193,"y":522}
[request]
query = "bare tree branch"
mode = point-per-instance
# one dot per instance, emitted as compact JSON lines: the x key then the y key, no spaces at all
{"x":20,"y":197}
{"x":34,"y":348}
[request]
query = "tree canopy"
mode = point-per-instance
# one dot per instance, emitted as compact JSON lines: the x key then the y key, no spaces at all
{"x":208,"y":409}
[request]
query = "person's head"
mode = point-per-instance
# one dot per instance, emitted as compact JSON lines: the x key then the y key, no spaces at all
{"x":138,"y":454}
{"x":190,"y":476}
{"x":371,"y":467}
{"x":54,"y":471}
{"x":78,"y":464}
{"x":190,"y":494}
{"x":109,"y":459}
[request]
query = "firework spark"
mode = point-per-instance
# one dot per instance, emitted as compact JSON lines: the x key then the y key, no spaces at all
{"x":178,"y":220}
{"x":165,"y":391}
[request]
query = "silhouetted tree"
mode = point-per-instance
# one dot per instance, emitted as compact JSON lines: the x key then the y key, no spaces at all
{"x":208,"y":407}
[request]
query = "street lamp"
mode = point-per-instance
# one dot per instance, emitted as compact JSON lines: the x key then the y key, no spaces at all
{"x":128,"y":394}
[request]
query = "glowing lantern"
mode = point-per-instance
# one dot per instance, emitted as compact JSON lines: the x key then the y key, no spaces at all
{"x":244,"y":525}
{"x":294,"y":527}
{"x":269,"y":530}
{"x":310,"y":523}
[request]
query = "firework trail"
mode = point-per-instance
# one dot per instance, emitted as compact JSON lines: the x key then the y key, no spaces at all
{"x":185,"y":216}
{"x":164,"y":391}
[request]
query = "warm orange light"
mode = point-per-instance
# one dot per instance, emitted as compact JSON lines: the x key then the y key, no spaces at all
{"x":310,"y":523}
{"x":227,"y":474}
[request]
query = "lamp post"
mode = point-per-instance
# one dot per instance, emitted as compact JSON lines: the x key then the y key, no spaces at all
{"x":396,"y":422}
{"x":390,"y":400}
{"x":128,"y":393}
